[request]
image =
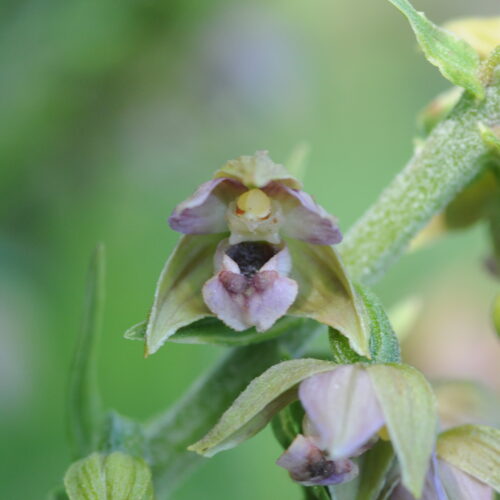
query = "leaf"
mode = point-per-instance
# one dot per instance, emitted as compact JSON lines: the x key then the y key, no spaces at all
{"x":178,"y":300}
{"x":474,"y":449}
{"x":326,"y":293}
{"x":84,"y":405}
{"x":214,"y":331}
{"x":455,"y":58}
{"x":376,"y":464}
{"x":109,"y":477}
{"x":258,"y":403}
{"x":409,"y":407}
{"x":384,"y":345}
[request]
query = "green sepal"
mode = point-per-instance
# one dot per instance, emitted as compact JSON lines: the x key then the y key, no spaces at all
{"x":326,"y":293}
{"x":258,"y":403}
{"x":384,"y":345}
{"x":85,"y":415}
{"x":474,"y":449}
{"x":214,"y":331}
{"x":178,"y":300}
{"x":410,"y":412}
{"x":455,"y":58}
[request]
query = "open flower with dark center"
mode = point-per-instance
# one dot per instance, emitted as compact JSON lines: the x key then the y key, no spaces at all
{"x":255,"y":247}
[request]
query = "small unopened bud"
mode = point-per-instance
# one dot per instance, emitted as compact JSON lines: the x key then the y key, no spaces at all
{"x":116,"y":476}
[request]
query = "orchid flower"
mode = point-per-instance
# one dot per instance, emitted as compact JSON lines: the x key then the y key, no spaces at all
{"x":255,"y":247}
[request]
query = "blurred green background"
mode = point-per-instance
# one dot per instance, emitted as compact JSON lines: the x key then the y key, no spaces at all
{"x":113,"y":112}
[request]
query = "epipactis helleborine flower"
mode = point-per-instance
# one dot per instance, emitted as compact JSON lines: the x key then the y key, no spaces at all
{"x":345,"y":415}
{"x":256,"y":247}
{"x":257,"y":201}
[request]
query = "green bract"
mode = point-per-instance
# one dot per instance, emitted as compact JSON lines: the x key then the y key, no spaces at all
{"x":109,"y":477}
{"x":455,"y":58}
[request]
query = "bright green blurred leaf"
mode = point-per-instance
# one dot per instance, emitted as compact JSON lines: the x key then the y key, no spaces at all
{"x":109,"y":477}
{"x":258,"y":403}
{"x":474,"y":449}
{"x":455,"y":58}
{"x":409,"y":408}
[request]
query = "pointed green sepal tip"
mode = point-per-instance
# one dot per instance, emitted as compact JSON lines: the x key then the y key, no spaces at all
{"x":474,"y":449}
{"x":455,"y":58}
{"x":116,"y":476}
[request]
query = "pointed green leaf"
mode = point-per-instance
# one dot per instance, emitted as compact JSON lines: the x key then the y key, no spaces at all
{"x":258,"y":403}
{"x":409,"y":408}
{"x":326,"y":293}
{"x":384,"y":345}
{"x":109,"y":477}
{"x":455,"y":58}
{"x":84,"y":411}
{"x":475,"y":449}
{"x":178,"y":300}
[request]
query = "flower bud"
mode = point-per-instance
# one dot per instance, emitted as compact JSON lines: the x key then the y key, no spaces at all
{"x":116,"y":476}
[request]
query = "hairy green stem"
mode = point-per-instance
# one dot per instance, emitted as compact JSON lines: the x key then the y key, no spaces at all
{"x":453,"y":154}
{"x":450,"y":157}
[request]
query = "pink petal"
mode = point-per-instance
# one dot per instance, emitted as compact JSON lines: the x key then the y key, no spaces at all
{"x":304,"y":219}
{"x":270,"y":299}
{"x":342,"y":408}
{"x":309,"y":466}
{"x":242,"y":302}
{"x":205,"y":211}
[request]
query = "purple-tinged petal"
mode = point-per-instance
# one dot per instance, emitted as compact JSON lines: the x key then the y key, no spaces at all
{"x":342,"y":408}
{"x":205,"y":211}
{"x":228,"y":306}
{"x":303,"y":218}
{"x":462,"y":486}
{"x":309,"y":466}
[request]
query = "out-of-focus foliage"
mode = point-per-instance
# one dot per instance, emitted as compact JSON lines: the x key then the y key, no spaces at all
{"x":111,"y":113}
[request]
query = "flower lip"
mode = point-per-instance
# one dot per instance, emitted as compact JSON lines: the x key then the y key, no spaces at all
{"x":251,"y":256}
